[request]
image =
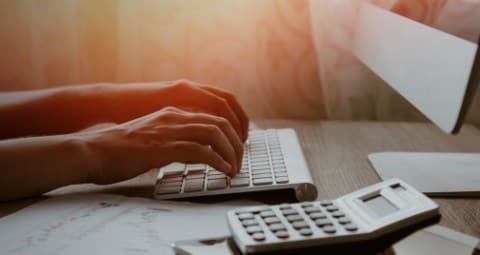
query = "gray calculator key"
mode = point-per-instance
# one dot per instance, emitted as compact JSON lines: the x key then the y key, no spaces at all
{"x":216,"y":184}
{"x":193,"y":185}
{"x":239,"y":182}
{"x":258,"y":237}
{"x":248,"y":223}
{"x":271,"y":220}
{"x":329,"y":229}
{"x":338,"y":214}
{"x":344,"y":220}
{"x":245,"y":216}
{"x":326,"y":203}
{"x":323,"y":222}
{"x":282,"y":234}
{"x":331,"y":208}
{"x":169,"y":190}
{"x":287,"y":212}
{"x":313,"y":209}
{"x":351,"y":227}
{"x":300,"y":224}
{"x":295,"y":217}
{"x":253,"y":229}
{"x":277,"y":227}
{"x":268,"y":213}
{"x":282,"y":180}
{"x":263,"y":181}
{"x":305,"y":232}
{"x":317,"y":215}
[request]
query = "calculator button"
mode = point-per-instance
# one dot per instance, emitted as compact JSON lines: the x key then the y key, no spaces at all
{"x":300,"y":224}
{"x":253,"y":229}
{"x":305,"y":232}
{"x":245,"y":216}
{"x":263,"y":181}
{"x":344,"y":220}
{"x":309,"y":210}
{"x":258,"y":237}
{"x":338,"y":214}
{"x":351,"y":227}
{"x":326,"y":203}
{"x":271,"y":220}
{"x":317,"y":215}
{"x":282,"y":234}
{"x":329,"y":229}
{"x":266,"y":214}
{"x":277,"y":227}
{"x":287,"y":212}
{"x":323,"y":222}
{"x":248,"y":223}
{"x":331,"y":208}
{"x":295,"y":217}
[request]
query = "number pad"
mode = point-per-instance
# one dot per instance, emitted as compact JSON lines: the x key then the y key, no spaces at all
{"x":287,"y":221}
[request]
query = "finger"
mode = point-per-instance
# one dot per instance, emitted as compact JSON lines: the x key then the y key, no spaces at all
{"x":184,"y":117}
{"x":232,"y":101}
{"x":189,"y":153}
{"x":204,"y":134}
{"x":197,"y":99}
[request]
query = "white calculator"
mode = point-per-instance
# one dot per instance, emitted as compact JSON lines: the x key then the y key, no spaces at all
{"x":273,"y":160}
{"x":358,"y":217}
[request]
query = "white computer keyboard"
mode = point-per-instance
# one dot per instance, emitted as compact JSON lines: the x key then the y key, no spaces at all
{"x":273,"y":160}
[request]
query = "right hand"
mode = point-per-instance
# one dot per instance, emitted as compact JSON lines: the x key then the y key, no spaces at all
{"x":158,"y":139}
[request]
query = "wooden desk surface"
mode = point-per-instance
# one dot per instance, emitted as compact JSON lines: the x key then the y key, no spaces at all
{"x":336,"y":153}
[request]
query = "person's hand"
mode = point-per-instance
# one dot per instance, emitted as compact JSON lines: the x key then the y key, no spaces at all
{"x":158,"y":139}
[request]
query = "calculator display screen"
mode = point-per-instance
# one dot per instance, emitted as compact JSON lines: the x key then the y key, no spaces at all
{"x":380,"y":206}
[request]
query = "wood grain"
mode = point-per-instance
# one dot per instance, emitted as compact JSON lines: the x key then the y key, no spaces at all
{"x":337,"y":156}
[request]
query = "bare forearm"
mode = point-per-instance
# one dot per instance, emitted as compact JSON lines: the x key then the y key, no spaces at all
{"x":33,"y":166}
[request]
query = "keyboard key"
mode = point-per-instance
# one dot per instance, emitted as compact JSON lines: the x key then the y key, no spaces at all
{"x":263,"y":181}
{"x":261,"y":175}
{"x":195,"y":176}
{"x":280,"y":174}
{"x":169,"y":190}
{"x":240,"y":175}
{"x":282,"y":179}
{"x":239,"y":182}
{"x":261,"y":171}
{"x":195,"y":167}
{"x":171,"y":179}
{"x":326,"y":203}
{"x":193,"y":185}
{"x":216,"y":184}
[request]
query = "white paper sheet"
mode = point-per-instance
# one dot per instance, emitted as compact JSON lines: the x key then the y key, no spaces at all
{"x":110,"y":224}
